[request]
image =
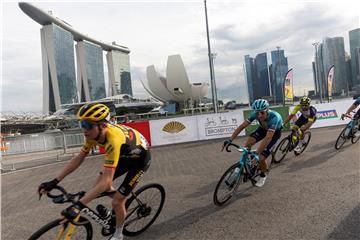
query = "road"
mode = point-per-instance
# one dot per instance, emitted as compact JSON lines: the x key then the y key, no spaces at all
{"x":313,"y":196}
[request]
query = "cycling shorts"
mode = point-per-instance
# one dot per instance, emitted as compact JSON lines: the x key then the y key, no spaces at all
{"x":260,"y":133}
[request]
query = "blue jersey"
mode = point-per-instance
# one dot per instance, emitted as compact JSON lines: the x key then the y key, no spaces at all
{"x":273,"y":121}
{"x":357,"y":101}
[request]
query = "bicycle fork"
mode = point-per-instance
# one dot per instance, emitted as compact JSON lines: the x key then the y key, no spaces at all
{"x":67,"y":230}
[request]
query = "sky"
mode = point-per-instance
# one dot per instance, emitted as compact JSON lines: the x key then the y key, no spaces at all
{"x":153,"y":30}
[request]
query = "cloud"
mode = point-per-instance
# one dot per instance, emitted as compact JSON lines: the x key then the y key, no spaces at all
{"x":154,"y":30}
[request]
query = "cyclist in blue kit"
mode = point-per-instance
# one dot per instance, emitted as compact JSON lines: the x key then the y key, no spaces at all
{"x":269,"y":131}
{"x":351,"y":108}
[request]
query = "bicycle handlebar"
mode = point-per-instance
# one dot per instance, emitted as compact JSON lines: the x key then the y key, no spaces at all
{"x":65,"y":196}
{"x":253,"y":153}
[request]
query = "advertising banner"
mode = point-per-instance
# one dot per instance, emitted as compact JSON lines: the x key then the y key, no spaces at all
{"x":222,"y":125}
{"x":330,"y":78}
{"x":142,"y":127}
{"x":328,"y":114}
{"x":173,"y":130}
{"x":288,"y":86}
{"x":284,"y":112}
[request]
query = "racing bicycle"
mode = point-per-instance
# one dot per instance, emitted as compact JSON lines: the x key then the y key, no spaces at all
{"x":349,"y":132}
{"x":246,"y":169}
{"x":291,"y":143}
{"x":143,"y":207}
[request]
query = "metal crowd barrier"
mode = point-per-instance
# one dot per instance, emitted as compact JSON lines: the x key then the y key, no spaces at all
{"x":51,"y":140}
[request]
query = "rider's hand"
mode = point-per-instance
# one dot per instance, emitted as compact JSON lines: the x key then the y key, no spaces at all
{"x":226,"y":143}
{"x":47,"y":186}
{"x":71,"y":212}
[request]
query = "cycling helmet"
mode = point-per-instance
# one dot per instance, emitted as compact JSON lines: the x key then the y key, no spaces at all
{"x":305,"y":101}
{"x":94,"y":112}
{"x":260,"y":105}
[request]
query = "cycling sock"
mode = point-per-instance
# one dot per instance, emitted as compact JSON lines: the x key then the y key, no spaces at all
{"x":262,"y":174}
{"x":118,"y":232}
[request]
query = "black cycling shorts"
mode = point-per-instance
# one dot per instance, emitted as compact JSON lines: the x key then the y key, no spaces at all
{"x":135,"y":167}
{"x":260,"y":133}
{"x":302,"y":121}
{"x":357,"y":115}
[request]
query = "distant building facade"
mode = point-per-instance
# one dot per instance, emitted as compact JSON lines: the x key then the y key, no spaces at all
{"x":354,"y":39}
{"x":278,"y":70}
{"x":261,"y":86}
{"x":60,"y":85}
{"x":250,"y":77}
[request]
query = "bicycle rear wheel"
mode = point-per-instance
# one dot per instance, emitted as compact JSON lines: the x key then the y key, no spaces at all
{"x":281,"y":150}
{"x":355,"y":135}
{"x":304,"y":142}
{"x":143,"y":208}
{"x":341,"y":139}
{"x":57,"y":230}
{"x":224,"y":189}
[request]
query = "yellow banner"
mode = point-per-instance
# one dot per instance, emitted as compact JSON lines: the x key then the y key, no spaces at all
{"x":288,"y":86}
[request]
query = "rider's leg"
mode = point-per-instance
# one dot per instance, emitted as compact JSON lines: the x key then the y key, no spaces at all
{"x":254,"y":137}
{"x":118,"y":204}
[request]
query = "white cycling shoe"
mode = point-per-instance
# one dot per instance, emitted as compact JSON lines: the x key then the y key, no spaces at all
{"x":260,"y":182}
{"x":114,"y":238}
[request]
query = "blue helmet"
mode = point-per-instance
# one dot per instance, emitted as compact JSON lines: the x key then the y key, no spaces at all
{"x":260,"y":105}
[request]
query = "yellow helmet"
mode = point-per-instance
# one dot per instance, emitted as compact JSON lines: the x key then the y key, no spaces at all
{"x":94,"y":112}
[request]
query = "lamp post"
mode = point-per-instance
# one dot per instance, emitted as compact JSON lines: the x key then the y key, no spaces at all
{"x":211,"y":64}
{"x":315,"y":44}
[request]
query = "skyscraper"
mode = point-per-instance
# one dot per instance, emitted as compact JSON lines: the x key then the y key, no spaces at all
{"x":261,"y":84}
{"x":59,"y":82}
{"x":119,"y":73}
{"x":334,"y":54}
{"x":278,"y":71}
{"x":250,"y":77}
{"x":354,"y":39}
{"x":90,"y":71}
{"x":57,"y":44}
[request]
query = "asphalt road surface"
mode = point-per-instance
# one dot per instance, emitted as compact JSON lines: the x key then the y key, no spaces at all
{"x":313,"y":196}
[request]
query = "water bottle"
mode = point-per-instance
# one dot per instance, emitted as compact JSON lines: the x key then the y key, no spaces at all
{"x":348,"y":129}
{"x":103,"y":211}
{"x":232,"y":178}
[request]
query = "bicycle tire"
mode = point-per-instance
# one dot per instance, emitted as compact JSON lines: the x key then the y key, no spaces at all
{"x":341,"y":137}
{"x":216,"y":199}
{"x":355,"y":138}
{"x":297,"y":153}
{"x":284,"y":143}
{"x":160,"y":188}
{"x":46,"y":228}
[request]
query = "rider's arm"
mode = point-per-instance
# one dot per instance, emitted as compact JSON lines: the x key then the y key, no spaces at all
{"x":288,"y":118}
{"x":352,"y":107}
{"x":265,"y":141}
{"x":239,"y":129}
{"x":74,"y":163}
{"x":104,"y":184}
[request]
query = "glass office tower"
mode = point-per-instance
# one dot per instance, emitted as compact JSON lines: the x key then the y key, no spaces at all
{"x":354,"y":38}
{"x":90,"y":71}
{"x":119,"y":73}
{"x":278,"y":71}
{"x":57,"y":47}
{"x":261,"y":86}
{"x":250,"y":77}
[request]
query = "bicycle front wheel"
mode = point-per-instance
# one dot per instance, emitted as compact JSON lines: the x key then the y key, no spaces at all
{"x":143,"y":207}
{"x":341,"y":139}
{"x":281,"y":150}
{"x":227,"y":186}
{"x":304,"y":142}
{"x":58,"y":230}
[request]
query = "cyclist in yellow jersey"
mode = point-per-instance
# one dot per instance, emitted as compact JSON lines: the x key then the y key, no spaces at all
{"x":126,"y":151}
{"x":307,"y":118}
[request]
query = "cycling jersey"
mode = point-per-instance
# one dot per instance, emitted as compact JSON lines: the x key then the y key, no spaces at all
{"x":310,"y":114}
{"x":120,"y":140}
{"x":273,"y":121}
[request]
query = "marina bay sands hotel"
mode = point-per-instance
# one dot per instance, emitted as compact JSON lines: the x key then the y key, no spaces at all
{"x":58,"y":63}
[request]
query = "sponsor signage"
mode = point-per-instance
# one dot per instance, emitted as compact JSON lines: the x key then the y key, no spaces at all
{"x":174,"y":130}
{"x":219,"y":125}
{"x":326,"y":114}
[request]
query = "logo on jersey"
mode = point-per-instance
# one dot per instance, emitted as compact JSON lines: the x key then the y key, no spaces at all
{"x":173,"y":127}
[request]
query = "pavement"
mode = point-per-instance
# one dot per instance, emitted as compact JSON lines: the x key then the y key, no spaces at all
{"x":312,"y":196}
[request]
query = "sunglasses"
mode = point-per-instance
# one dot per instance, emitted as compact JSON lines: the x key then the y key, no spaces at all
{"x":260,"y":112}
{"x":86,"y":125}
